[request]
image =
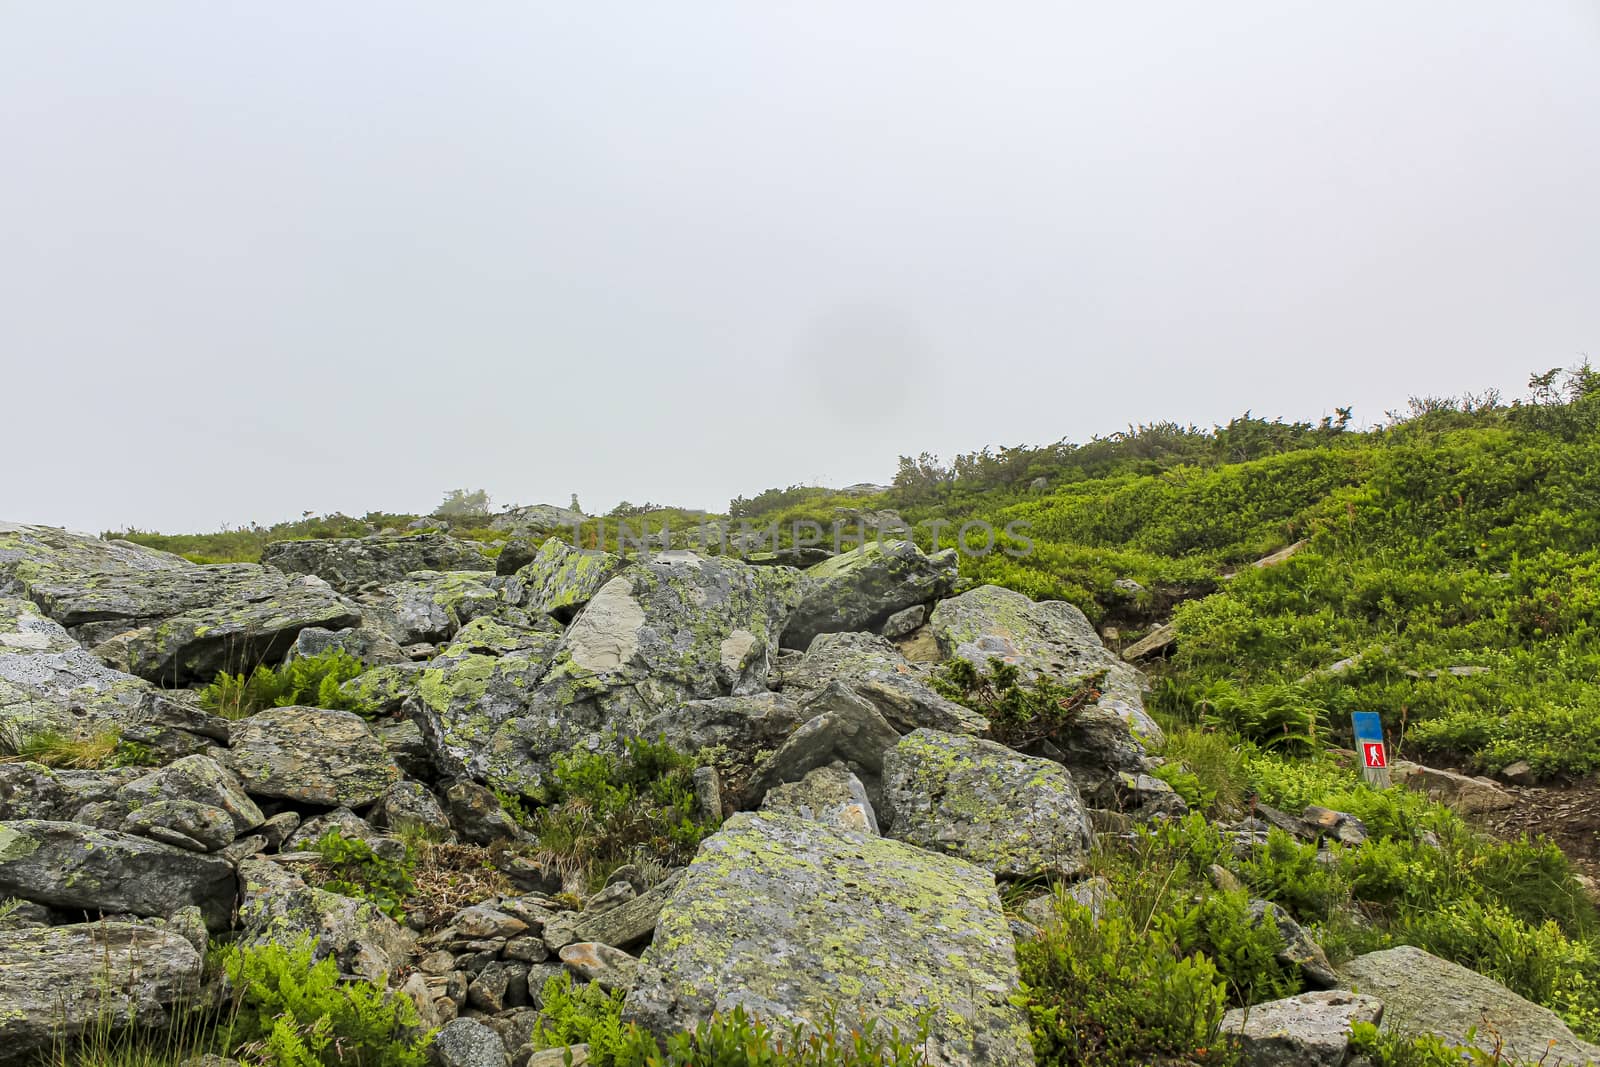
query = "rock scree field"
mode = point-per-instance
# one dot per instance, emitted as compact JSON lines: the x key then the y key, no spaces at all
{"x":1049,"y":764}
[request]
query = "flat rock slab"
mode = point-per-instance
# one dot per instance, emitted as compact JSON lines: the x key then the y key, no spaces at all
{"x":312,"y":755}
{"x":789,"y":918}
{"x":1424,"y":994}
{"x":58,"y":982}
{"x":350,"y":564}
{"x":69,"y":865}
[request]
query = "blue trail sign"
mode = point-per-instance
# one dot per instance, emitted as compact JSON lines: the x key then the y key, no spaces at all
{"x":1368,"y":729}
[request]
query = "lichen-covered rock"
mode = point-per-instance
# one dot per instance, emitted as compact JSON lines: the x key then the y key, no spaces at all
{"x":59,"y":982}
{"x":96,"y":605}
{"x":508,"y":630}
{"x":196,"y":778}
{"x":411,"y":806}
{"x":860,"y":589}
{"x":830,"y":795}
{"x":674,"y":628}
{"x":230,"y":636}
{"x":877,"y":671}
{"x":1048,"y":637}
{"x":1018,"y":816}
{"x":1310,"y":1030}
{"x":467,"y":1043}
{"x":368,"y":644}
{"x":561,"y":579}
{"x":185,"y":824}
{"x":311,"y":755}
{"x":32,"y":791}
{"x":429,"y":605}
{"x":536,"y":517}
{"x":49,"y":682}
{"x":352,"y":564}
{"x":1423,"y":994}
{"x":462,"y":699}
{"x":71,"y":866}
{"x":789,"y":919}
{"x":385,"y":688}
{"x":278,"y":906}
{"x":31,"y":552}
{"x":742,"y":724}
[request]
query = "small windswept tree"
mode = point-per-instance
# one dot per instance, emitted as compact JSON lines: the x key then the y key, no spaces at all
{"x":464,"y":502}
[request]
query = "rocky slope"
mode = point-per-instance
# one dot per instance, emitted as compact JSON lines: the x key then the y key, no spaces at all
{"x":870,"y":825}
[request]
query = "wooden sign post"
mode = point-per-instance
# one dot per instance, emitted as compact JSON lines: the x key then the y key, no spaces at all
{"x":1369,"y":745}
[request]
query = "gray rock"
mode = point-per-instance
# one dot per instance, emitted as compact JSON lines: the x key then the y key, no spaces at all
{"x":100,"y":604}
{"x":877,"y":671}
{"x":49,"y":682}
{"x":278,"y":906}
{"x":742,"y":724}
{"x":830,"y":795}
{"x":429,"y":605}
{"x":311,"y":755}
{"x":630,"y":922}
{"x":1464,"y":793}
{"x":351,"y":564}
{"x":673,"y":629}
{"x":31,"y":552}
{"x":229,"y":636}
{"x":1424,"y":994}
{"x":71,"y":866}
{"x":560,"y":579}
{"x":611,"y":967}
{"x":860,"y":589}
{"x":778,"y":915}
{"x":902,"y":623}
{"x":844,"y":728}
{"x":1299,"y":950}
{"x":1310,"y":1030}
{"x":32,"y":791}
{"x":201,"y":779}
{"x":476,"y":814}
{"x":544,"y":517}
{"x":59,"y":982}
{"x":1015,"y":815}
{"x":463,"y":699}
{"x":1157,"y":640}
{"x":187,"y":824}
{"x":1049,"y":637}
{"x":411,"y":805}
{"x":467,"y":1043}
{"x":370,"y":645}
{"x":351,"y":827}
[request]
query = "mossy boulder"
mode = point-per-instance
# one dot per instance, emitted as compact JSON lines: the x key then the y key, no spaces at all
{"x":197,"y":778}
{"x":311,"y":755}
{"x":463,"y":698}
{"x":561,"y":579}
{"x":1047,"y":637}
{"x":862,"y":588}
{"x":59,"y":982}
{"x":1018,"y":816}
{"x":71,"y":866}
{"x":33,"y":552}
{"x":355,"y":564}
{"x":796,"y":921}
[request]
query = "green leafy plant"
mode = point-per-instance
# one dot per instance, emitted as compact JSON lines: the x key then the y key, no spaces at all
{"x":315,"y":681}
{"x":355,"y":870}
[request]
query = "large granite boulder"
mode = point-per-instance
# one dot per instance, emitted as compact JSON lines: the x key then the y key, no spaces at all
{"x":876,"y":670}
{"x":101,"y":604}
{"x":1018,"y":816}
{"x":792,"y":920}
{"x":831,"y":795}
{"x":50,"y":682}
{"x":353,"y":564}
{"x":463,"y":698}
{"x":71,"y":866}
{"x":561,"y":579}
{"x":545,"y":517}
{"x":311,"y":755}
{"x":59,"y":982}
{"x":839,"y":727}
{"x":860,"y":589}
{"x":278,"y":906}
{"x":234,"y":635}
{"x":1422,"y":993}
{"x":675,"y":628}
{"x":743,"y":725}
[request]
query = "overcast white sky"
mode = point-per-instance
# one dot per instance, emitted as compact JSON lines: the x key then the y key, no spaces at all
{"x":257,"y":259}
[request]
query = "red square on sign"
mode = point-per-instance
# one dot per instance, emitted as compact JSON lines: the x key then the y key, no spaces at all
{"x":1372,"y":753}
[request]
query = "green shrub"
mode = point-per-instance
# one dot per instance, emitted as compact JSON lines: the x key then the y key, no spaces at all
{"x":604,"y":808}
{"x":314,"y":681}
{"x":1389,"y":1048}
{"x":287,"y":1011}
{"x":1214,"y":761}
{"x":1113,"y":992}
{"x":1019,"y":713}
{"x":355,"y":870}
{"x":573,"y":1014}
{"x":737,"y":1040}
{"x":1220,"y":927}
